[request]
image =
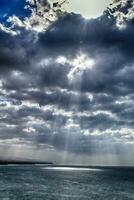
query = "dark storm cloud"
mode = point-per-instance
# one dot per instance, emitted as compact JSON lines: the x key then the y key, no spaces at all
{"x":54,"y":75}
{"x":12,"y":55}
{"x":111,"y":47}
{"x":72,"y":31}
{"x":73,"y":115}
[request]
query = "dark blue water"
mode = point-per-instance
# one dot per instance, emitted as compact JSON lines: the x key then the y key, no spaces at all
{"x":38,"y":183}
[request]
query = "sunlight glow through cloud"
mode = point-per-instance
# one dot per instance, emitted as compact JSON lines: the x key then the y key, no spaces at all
{"x":79,"y":64}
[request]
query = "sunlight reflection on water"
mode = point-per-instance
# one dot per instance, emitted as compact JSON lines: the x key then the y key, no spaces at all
{"x":71,"y":169}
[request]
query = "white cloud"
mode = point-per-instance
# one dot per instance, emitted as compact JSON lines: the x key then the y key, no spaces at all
{"x":122,"y":10}
{"x":42,"y":15}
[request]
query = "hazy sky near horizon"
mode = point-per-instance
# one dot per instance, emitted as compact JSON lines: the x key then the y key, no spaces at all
{"x":66,"y":81}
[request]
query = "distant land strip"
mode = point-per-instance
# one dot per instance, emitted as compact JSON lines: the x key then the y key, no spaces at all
{"x":14,"y":162}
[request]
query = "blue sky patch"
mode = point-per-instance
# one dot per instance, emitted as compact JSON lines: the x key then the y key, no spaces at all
{"x":13,"y":7}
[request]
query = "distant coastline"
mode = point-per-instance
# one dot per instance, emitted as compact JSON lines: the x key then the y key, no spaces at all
{"x":23,"y":162}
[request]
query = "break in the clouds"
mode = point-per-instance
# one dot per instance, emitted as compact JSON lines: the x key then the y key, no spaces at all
{"x":66,"y":82}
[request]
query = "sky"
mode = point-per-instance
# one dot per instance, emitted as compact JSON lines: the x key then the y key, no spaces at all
{"x":66,"y":81}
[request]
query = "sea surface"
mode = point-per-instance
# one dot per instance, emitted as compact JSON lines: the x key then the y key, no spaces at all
{"x":40,"y":183}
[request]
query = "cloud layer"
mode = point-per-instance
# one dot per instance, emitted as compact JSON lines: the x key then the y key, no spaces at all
{"x":69,"y":87}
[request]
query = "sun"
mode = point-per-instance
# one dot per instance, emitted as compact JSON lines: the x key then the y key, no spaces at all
{"x":87,"y":8}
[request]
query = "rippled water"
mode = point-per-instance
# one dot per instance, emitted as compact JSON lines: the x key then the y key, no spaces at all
{"x":39,"y":183}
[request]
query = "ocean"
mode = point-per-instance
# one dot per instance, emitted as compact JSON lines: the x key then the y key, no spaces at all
{"x":40,"y":183}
